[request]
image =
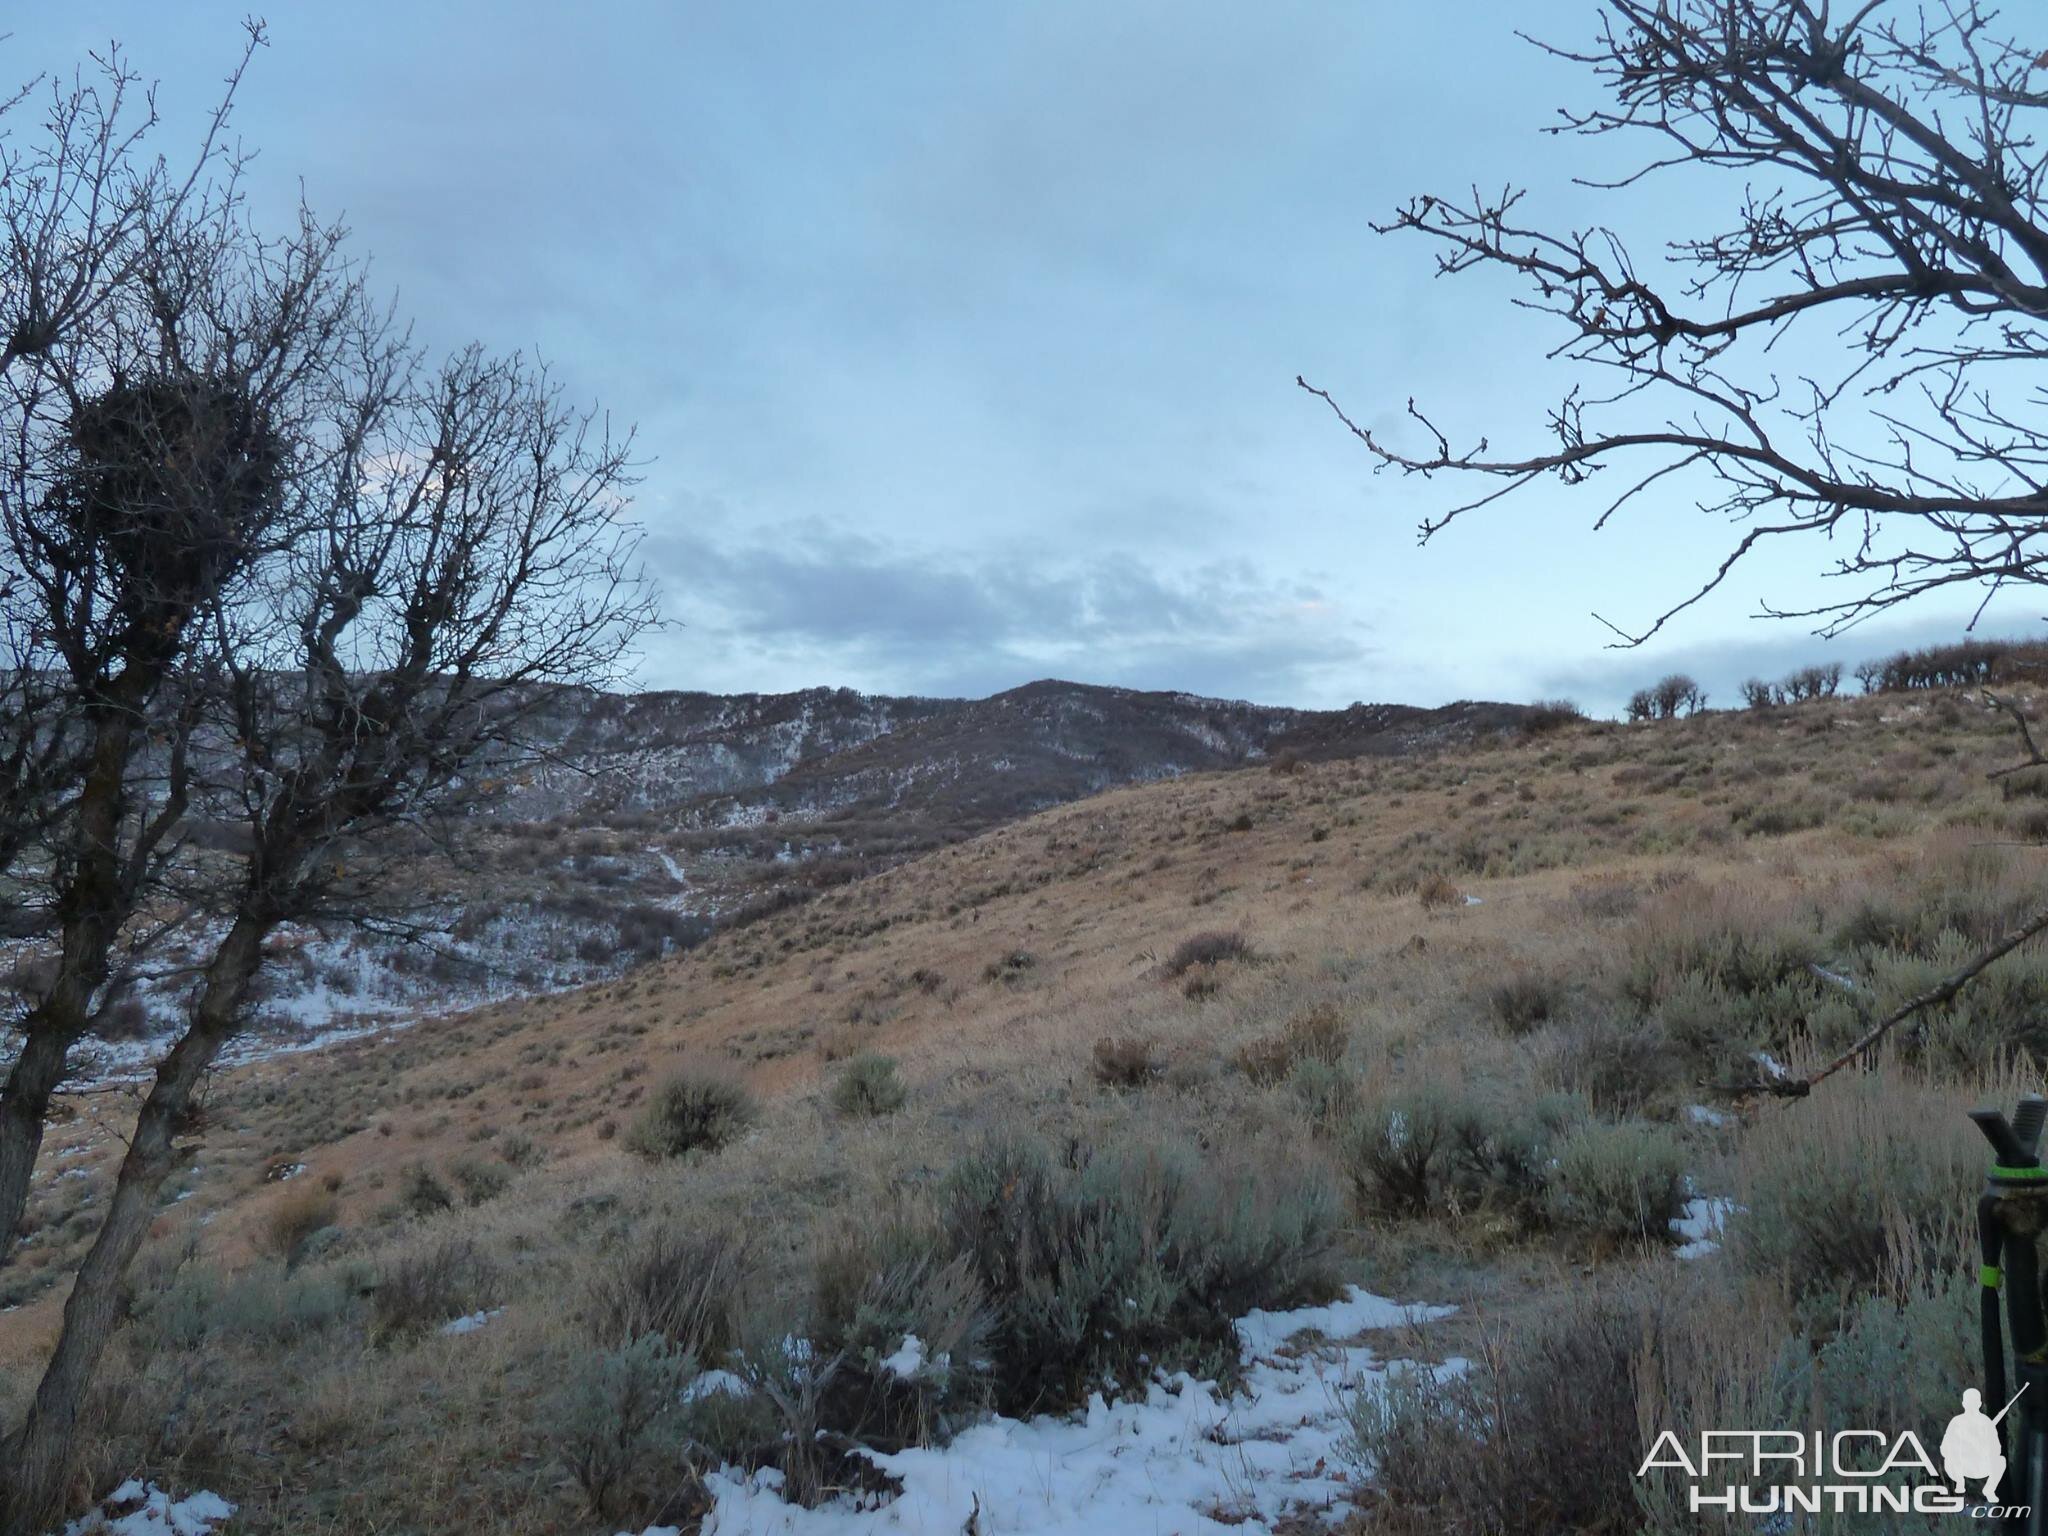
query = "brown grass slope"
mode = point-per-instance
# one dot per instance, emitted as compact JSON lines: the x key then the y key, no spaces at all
{"x":1604,"y":926}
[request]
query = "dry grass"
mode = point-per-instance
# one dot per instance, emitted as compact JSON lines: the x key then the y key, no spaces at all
{"x":1660,"y":881}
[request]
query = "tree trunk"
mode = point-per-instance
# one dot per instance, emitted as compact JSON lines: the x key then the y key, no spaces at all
{"x":35,"y":1462}
{"x":91,"y":907}
{"x":23,"y":1103}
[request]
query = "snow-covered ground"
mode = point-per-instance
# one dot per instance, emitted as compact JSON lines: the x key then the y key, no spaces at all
{"x":1698,"y":1228}
{"x":320,"y":989}
{"x":143,"y":1509}
{"x":1185,"y":1459}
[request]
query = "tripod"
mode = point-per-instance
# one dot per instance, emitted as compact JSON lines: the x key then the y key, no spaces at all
{"x":2011,"y":1214}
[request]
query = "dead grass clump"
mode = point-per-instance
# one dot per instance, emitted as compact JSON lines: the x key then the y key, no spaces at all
{"x":685,"y":1285}
{"x":1524,"y":1000}
{"x":694,"y":1111}
{"x":1316,"y":1033}
{"x":430,"y":1284}
{"x":300,"y":1211}
{"x":1540,"y":1436}
{"x":1213,"y":947}
{"x":1619,"y":1068}
{"x":1127,"y":1061}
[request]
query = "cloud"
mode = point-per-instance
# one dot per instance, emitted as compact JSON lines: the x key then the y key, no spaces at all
{"x":827,"y":603}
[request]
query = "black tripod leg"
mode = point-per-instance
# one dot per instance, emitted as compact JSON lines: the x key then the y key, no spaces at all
{"x":2033,"y":1482}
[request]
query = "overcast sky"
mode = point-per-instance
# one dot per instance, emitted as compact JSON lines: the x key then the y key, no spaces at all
{"x":962,"y":339}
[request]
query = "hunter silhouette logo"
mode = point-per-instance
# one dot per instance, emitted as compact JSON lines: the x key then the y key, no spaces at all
{"x":1844,"y":1471}
{"x":1969,"y":1447}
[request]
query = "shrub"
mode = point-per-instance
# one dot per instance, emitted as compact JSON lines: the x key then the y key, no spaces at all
{"x":1617,"y":1068}
{"x":1211,"y":948}
{"x":1834,"y":1197}
{"x":1393,"y":1152}
{"x":1126,"y":1262}
{"x":908,"y":1326}
{"x":268,"y":1304}
{"x":430,"y":1284}
{"x":1010,"y":967}
{"x":480,"y":1181}
{"x":1818,"y":682}
{"x":300,"y":1211}
{"x":1126,"y":1061}
{"x":693,"y":1111}
{"x":1623,"y":1182}
{"x":1538,"y":1437}
{"x":1316,"y":1033}
{"x":1549,"y":715}
{"x":1947,"y":666}
{"x":520,"y":1150}
{"x":868,"y":1086}
{"x":420,"y":1193}
{"x":619,"y":1427}
{"x":1435,"y":890}
{"x":683,"y":1285}
{"x":1523,"y":1000}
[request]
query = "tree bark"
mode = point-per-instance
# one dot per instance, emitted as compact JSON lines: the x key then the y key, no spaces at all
{"x":23,"y":1104}
{"x":35,"y":1462}
{"x":91,"y":908}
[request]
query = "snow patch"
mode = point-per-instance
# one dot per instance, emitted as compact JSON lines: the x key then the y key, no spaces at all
{"x":471,"y":1323}
{"x":908,"y":1359}
{"x":1698,"y":1227}
{"x":143,"y":1509}
{"x":1185,"y":1458}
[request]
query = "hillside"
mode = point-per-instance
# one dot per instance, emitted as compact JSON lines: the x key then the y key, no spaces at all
{"x":644,"y":822}
{"x":1573,"y":958}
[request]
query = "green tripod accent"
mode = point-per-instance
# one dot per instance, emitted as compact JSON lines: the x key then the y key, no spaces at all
{"x":2011,"y":1215}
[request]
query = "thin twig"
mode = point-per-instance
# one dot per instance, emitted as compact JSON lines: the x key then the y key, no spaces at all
{"x":1934,"y":996}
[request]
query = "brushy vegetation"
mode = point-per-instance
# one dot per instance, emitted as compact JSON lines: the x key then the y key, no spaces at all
{"x":1315,"y":1034}
{"x":1127,"y":1061}
{"x":1135,"y":1258}
{"x":619,"y":1425}
{"x":1215,"y":947}
{"x":684,"y":1286}
{"x":869,"y":1086}
{"x":1406,"y":1092}
{"x":693,"y":1111}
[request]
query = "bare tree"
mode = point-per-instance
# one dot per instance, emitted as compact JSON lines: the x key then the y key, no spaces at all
{"x":1891,"y":186}
{"x":279,"y":576}
{"x":105,"y":403}
{"x":1885,"y":226}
